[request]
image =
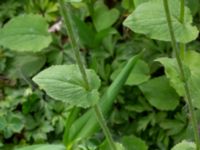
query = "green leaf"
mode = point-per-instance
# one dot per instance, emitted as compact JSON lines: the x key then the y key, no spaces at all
{"x":25,"y":64}
{"x":160,"y":94}
{"x":2,"y":123}
{"x":87,"y":124}
{"x":173,"y":74}
{"x":139,"y":74}
{"x":85,"y":32}
{"x":65,"y":83}
{"x":193,"y":5}
{"x":13,"y":123}
{"x":42,"y":147}
{"x":185,"y":145}
{"x":191,"y":61}
{"x":172,"y":127}
{"x":133,"y":143}
{"x":149,"y":18}
{"x":103,"y":17}
{"x":138,"y":2}
{"x":25,"y":33}
{"x":106,"y":146}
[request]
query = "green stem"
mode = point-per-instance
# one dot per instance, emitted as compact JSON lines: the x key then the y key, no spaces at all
{"x":99,"y":115}
{"x":180,"y":64}
{"x":132,"y":3}
{"x":182,"y":16}
{"x":75,"y":47}
{"x":102,"y":122}
{"x":182,"y":11}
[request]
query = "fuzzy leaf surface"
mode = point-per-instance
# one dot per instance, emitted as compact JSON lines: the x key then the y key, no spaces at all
{"x":65,"y":83}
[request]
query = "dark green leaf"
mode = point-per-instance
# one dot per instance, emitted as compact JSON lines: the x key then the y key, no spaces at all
{"x":160,"y":94}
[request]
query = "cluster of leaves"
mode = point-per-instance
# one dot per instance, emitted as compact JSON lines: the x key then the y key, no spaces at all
{"x":149,"y":112}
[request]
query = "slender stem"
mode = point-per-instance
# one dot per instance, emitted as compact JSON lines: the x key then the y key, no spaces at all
{"x":182,"y":50}
{"x":75,"y":47}
{"x":102,"y":122}
{"x":98,"y":112}
{"x":182,"y":11}
{"x":182,"y":16}
{"x":182,"y":73}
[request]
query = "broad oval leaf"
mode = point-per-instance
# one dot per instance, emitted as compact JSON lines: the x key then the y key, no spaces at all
{"x":43,"y":147}
{"x":134,"y":143}
{"x":185,"y":145}
{"x":65,"y":83}
{"x":160,"y":94}
{"x":149,"y":18}
{"x":25,"y":33}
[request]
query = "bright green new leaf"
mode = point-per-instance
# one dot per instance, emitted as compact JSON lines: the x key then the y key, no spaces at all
{"x":65,"y":83}
{"x":149,"y":18}
{"x":103,"y":17}
{"x":185,"y":145}
{"x":160,"y":94}
{"x":133,"y":143}
{"x":43,"y":147}
{"x":139,"y":74}
{"x":25,"y":33}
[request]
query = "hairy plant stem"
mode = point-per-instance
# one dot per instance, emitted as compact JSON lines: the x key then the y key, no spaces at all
{"x":102,"y":122}
{"x":182,"y":73}
{"x":75,"y":47}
